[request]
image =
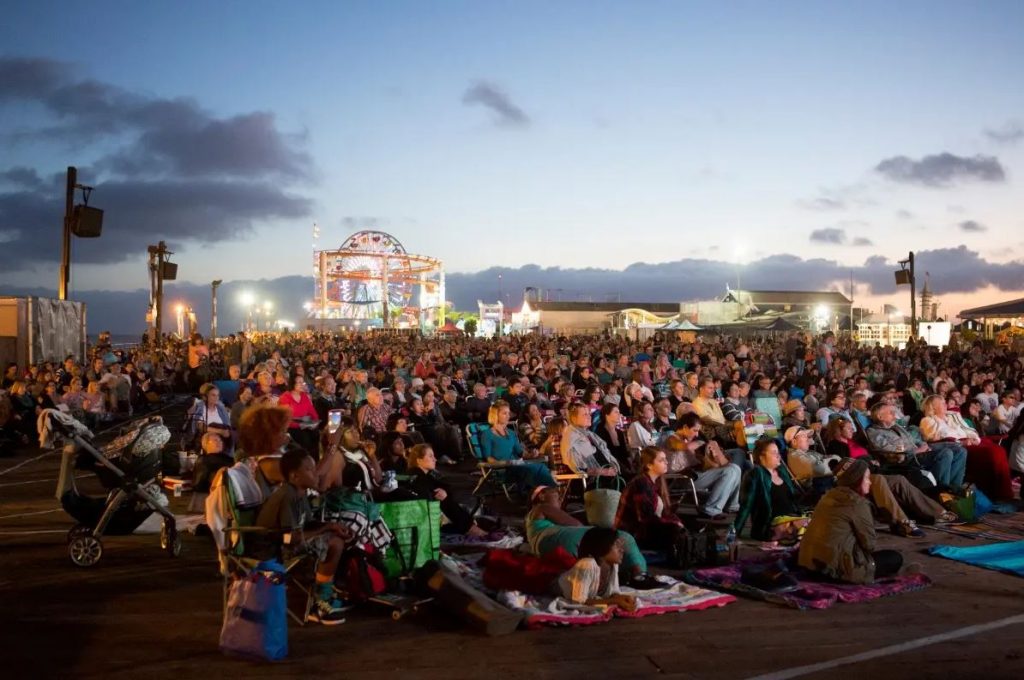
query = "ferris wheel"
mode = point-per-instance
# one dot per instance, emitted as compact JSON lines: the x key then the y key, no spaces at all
{"x":368,"y":269}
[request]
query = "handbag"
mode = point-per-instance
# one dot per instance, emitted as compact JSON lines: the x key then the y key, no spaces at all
{"x":602,"y":504}
{"x":256,"y":616}
{"x":694,"y":547}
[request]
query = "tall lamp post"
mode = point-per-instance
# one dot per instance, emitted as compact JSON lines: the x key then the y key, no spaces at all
{"x":247,"y":301}
{"x":213,"y":309}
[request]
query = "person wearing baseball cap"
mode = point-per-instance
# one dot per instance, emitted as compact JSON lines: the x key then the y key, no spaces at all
{"x":806,"y":463}
{"x":839,"y":542}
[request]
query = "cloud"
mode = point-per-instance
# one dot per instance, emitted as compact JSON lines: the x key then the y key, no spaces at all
{"x":21,"y":177}
{"x":942,"y":169}
{"x":353,"y":222}
{"x":161,"y":168}
{"x":904,"y":214}
{"x":157,"y":135}
{"x":972,"y":227}
{"x":829,"y":236}
{"x":506,"y":113}
{"x":1010,"y":133}
{"x":862,"y":241}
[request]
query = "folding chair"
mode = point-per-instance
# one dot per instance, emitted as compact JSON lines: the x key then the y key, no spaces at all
{"x":563,"y":474}
{"x":239,"y":561}
{"x":491,"y":474}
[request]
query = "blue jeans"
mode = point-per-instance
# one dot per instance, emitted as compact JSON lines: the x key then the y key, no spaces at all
{"x":724,"y":486}
{"x":947,"y":461}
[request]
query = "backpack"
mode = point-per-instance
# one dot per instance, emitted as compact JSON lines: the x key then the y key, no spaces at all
{"x":363,"y":573}
{"x":695,"y":547}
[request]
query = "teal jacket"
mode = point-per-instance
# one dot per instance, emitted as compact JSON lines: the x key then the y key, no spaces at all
{"x":756,"y":501}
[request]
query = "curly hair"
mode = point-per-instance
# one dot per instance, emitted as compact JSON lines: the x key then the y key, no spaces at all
{"x":259,"y":427}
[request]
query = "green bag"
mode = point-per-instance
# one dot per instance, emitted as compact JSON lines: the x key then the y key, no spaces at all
{"x":417,"y":529}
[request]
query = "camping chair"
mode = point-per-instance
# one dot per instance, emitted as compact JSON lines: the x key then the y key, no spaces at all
{"x":246,"y":545}
{"x":491,"y":474}
{"x":770,"y":406}
{"x":563,"y":474}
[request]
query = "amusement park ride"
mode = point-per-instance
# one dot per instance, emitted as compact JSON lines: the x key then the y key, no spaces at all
{"x":371,"y":281}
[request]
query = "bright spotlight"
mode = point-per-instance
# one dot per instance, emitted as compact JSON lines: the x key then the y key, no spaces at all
{"x":246,"y":299}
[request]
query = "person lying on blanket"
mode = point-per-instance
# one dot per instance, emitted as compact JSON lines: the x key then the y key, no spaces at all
{"x":287,"y":511}
{"x":840,"y":540}
{"x":594,"y":579}
{"x":769,"y":498}
{"x":549,"y":527}
{"x":427,"y":484}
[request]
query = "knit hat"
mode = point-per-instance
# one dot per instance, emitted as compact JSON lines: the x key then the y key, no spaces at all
{"x":850,"y":472}
{"x":793,"y":432}
{"x":791,"y":406}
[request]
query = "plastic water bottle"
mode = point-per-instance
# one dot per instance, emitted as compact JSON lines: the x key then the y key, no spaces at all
{"x":731,"y":545}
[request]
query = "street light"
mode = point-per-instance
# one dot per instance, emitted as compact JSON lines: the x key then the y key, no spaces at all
{"x":247,"y":300}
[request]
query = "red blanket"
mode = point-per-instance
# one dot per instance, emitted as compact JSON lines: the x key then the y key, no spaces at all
{"x":515,"y":570}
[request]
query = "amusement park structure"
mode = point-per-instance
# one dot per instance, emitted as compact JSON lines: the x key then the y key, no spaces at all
{"x":372,"y":281}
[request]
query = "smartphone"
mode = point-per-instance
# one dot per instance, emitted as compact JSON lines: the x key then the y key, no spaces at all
{"x":333,"y":420}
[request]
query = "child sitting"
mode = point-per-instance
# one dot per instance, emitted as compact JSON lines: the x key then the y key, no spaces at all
{"x":287,"y":511}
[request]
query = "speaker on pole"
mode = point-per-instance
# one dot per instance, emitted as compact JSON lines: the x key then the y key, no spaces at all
{"x":86,"y":221}
{"x":170,"y":271}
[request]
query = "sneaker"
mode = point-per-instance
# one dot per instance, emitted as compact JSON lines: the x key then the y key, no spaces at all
{"x":327,"y":612}
{"x":947,"y":517}
{"x":713,"y":518}
{"x":908,"y":530}
{"x":445,"y":460}
{"x":645,"y":582}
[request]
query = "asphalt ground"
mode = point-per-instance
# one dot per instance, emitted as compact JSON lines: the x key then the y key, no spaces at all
{"x":141,"y":614}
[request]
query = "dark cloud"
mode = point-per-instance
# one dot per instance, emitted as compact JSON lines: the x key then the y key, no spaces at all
{"x":137,"y":212}
{"x":971,"y":226}
{"x":165,"y":136}
{"x":862,"y":241}
{"x":1010,"y":133}
{"x":488,"y":95}
{"x":176,"y":173}
{"x":829,"y":236}
{"x":941,"y":169}
{"x":22,"y":178}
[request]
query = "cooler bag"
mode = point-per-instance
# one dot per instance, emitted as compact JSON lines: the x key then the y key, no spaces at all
{"x":416,"y":526}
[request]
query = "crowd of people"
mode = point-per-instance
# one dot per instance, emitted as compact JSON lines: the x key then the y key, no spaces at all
{"x":856,"y":433}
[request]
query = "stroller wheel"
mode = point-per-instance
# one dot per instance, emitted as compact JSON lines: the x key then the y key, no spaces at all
{"x":85,"y":551}
{"x":170,"y":540}
{"x":78,"y":530}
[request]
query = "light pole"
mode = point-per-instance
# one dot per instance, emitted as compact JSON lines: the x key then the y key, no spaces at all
{"x":267,"y":308}
{"x":247,"y":301}
{"x":213,"y":310}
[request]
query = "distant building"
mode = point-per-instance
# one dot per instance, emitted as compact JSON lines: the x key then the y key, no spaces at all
{"x":884,"y":329}
{"x":574,"y":318}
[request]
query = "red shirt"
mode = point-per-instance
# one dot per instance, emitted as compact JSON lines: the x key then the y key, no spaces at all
{"x":300,"y":409}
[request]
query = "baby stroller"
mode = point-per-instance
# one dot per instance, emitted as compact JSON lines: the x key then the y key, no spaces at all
{"x":127,"y":467}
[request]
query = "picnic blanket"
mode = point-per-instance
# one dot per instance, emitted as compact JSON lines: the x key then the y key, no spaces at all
{"x":1004,"y":557}
{"x":556,"y":611}
{"x":994,"y":526}
{"x":813,"y":593}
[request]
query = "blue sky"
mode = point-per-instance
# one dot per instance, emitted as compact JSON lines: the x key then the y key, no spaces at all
{"x":646,"y":132}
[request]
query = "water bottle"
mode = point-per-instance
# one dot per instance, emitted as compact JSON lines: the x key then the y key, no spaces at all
{"x":731,"y":545}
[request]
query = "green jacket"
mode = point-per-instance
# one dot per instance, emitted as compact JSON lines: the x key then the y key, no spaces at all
{"x":756,"y":501}
{"x":840,"y":539}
